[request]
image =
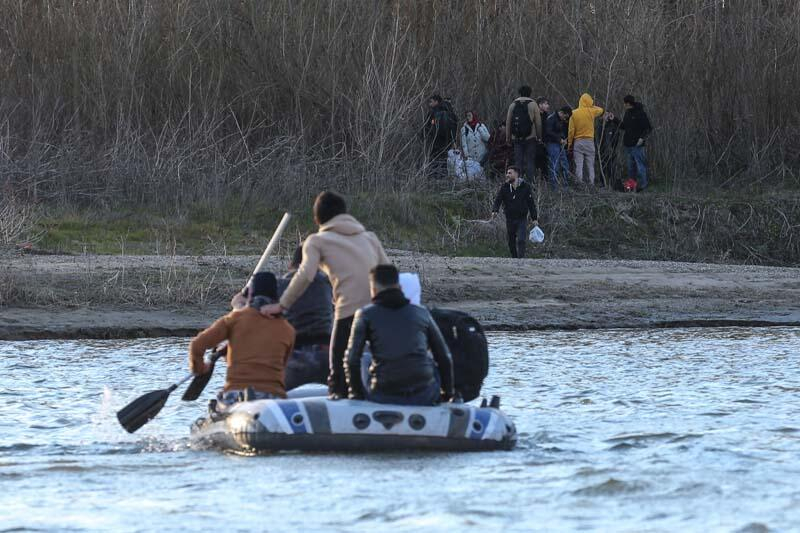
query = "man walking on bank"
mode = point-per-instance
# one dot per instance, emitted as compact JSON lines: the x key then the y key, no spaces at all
{"x":516,"y":197}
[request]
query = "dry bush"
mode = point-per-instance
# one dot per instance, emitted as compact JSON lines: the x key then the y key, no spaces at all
{"x":17,"y":221}
{"x":174,"y":103}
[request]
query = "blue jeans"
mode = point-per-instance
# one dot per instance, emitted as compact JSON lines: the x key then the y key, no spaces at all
{"x":557,"y":160}
{"x":525,"y":158}
{"x":234,"y":396}
{"x":637,"y":165}
{"x":424,"y":395}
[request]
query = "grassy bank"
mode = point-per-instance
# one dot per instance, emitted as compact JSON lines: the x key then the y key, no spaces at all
{"x":655,"y":226}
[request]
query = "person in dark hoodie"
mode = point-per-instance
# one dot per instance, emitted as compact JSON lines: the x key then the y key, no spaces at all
{"x":636,"y":127}
{"x":555,"y":138}
{"x":516,"y":197}
{"x":346,"y":252}
{"x":311,"y":316}
{"x":399,"y":333}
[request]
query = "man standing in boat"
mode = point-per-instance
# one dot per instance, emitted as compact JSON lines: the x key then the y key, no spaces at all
{"x":258,"y":347}
{"x":399,"y":334}
{"x":346,"y":252}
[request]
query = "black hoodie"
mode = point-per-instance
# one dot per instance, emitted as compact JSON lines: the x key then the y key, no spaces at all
{"x":635,"y":124}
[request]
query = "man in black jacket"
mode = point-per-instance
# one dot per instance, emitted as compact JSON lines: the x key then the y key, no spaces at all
{"x":555,"y":138}
{"x":399,"y":333}
{"x":440,"y":132}
{"x":636,"y":126}
{"x":516,"y":197}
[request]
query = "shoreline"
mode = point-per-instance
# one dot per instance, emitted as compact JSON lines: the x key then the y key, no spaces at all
{"x":103,"y":294}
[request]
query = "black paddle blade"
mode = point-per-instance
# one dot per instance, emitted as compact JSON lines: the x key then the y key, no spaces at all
{"x":143,"y":409}
{"x":199,"y":383}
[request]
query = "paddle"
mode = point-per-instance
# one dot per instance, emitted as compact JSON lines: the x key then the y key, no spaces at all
{"x":144,"y":408}
{"x":200,"y":381}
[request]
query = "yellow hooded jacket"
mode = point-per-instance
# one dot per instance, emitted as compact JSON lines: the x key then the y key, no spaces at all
{"x":581,"y":123}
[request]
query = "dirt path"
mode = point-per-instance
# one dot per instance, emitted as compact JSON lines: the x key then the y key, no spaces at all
{"x":501,"y":293}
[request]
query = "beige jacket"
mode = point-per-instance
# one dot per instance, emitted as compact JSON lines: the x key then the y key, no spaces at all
{"x":346,"y":252}
{"x":533,"y":112}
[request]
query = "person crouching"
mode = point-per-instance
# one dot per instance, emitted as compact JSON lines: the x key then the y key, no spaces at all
{"x":258,"y":347}
{"x":399,"y":333}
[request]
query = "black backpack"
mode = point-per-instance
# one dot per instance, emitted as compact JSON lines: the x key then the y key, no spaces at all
{"x":467,"y":342}
{"x":521,"y":125}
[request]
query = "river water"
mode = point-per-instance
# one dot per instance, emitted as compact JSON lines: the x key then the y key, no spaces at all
{"x":665,"y":430}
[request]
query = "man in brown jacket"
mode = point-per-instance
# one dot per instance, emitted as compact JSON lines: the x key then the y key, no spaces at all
{"x":346,"y":252}
{"x":524,"y":130}
{"x":258,"y":347}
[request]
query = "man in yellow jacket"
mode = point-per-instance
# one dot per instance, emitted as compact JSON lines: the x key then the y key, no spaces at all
{"x":580,"y":137}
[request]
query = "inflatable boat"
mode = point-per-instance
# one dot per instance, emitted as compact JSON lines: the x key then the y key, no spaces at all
{"x":318,"y":424}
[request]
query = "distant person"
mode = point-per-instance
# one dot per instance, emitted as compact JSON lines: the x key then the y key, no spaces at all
{"x":311,"y":316}
{"x":346,"y":252}
{"x":580,"y":137}
{"x":636,"y":127}
{"x":258,"y":347}
{"x":516,"y":198}
{"x":501,"y":153}
{"x":399,"y":333}
{"x":439,"y":133}
{"x":475,"y":139}
{"x":609,"y":142}
{"x":524,"y":131}
{"x":555,"y":138}
{"x":541,"y":150}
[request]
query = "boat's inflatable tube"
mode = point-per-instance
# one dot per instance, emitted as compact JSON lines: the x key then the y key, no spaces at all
{"x":319,"y":424}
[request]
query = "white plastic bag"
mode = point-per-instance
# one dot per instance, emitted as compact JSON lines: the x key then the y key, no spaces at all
{"x":453,"y":161}
{"x":409,"y":283}
{"x":536,"y":235}
{"x":469,"y":169}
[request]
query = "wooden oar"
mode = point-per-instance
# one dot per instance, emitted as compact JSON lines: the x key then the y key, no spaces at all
{"x":144,"y":408}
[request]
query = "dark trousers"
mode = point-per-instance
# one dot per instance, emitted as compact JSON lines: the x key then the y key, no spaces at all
{"x":307,"y":364}
{"x":517,"y":236}
{"x":339,"y":337}
{"x":425,"y":394}
{"x":525,"y":157}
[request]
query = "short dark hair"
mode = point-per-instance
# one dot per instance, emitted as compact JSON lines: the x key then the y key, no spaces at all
{"x":297,"y":257}
{"x":327,"y":205}
{"x":629,"y":99}
{"x":515,"y":169}
{"x":541,"y":100}
{"x":566,"y":110}
{"x":525,"y":91}
{"x":385,"y":275}
{"x":436,"y":98}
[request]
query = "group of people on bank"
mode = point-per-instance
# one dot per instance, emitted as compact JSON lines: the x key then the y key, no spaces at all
{"x":312,"y":325}
{"x":541,"y":141}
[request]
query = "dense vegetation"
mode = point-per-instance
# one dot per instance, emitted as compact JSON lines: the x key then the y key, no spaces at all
{"x":126,"y":105}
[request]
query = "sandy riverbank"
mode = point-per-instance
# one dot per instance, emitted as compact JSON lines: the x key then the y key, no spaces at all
{"x":131,"y":296}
